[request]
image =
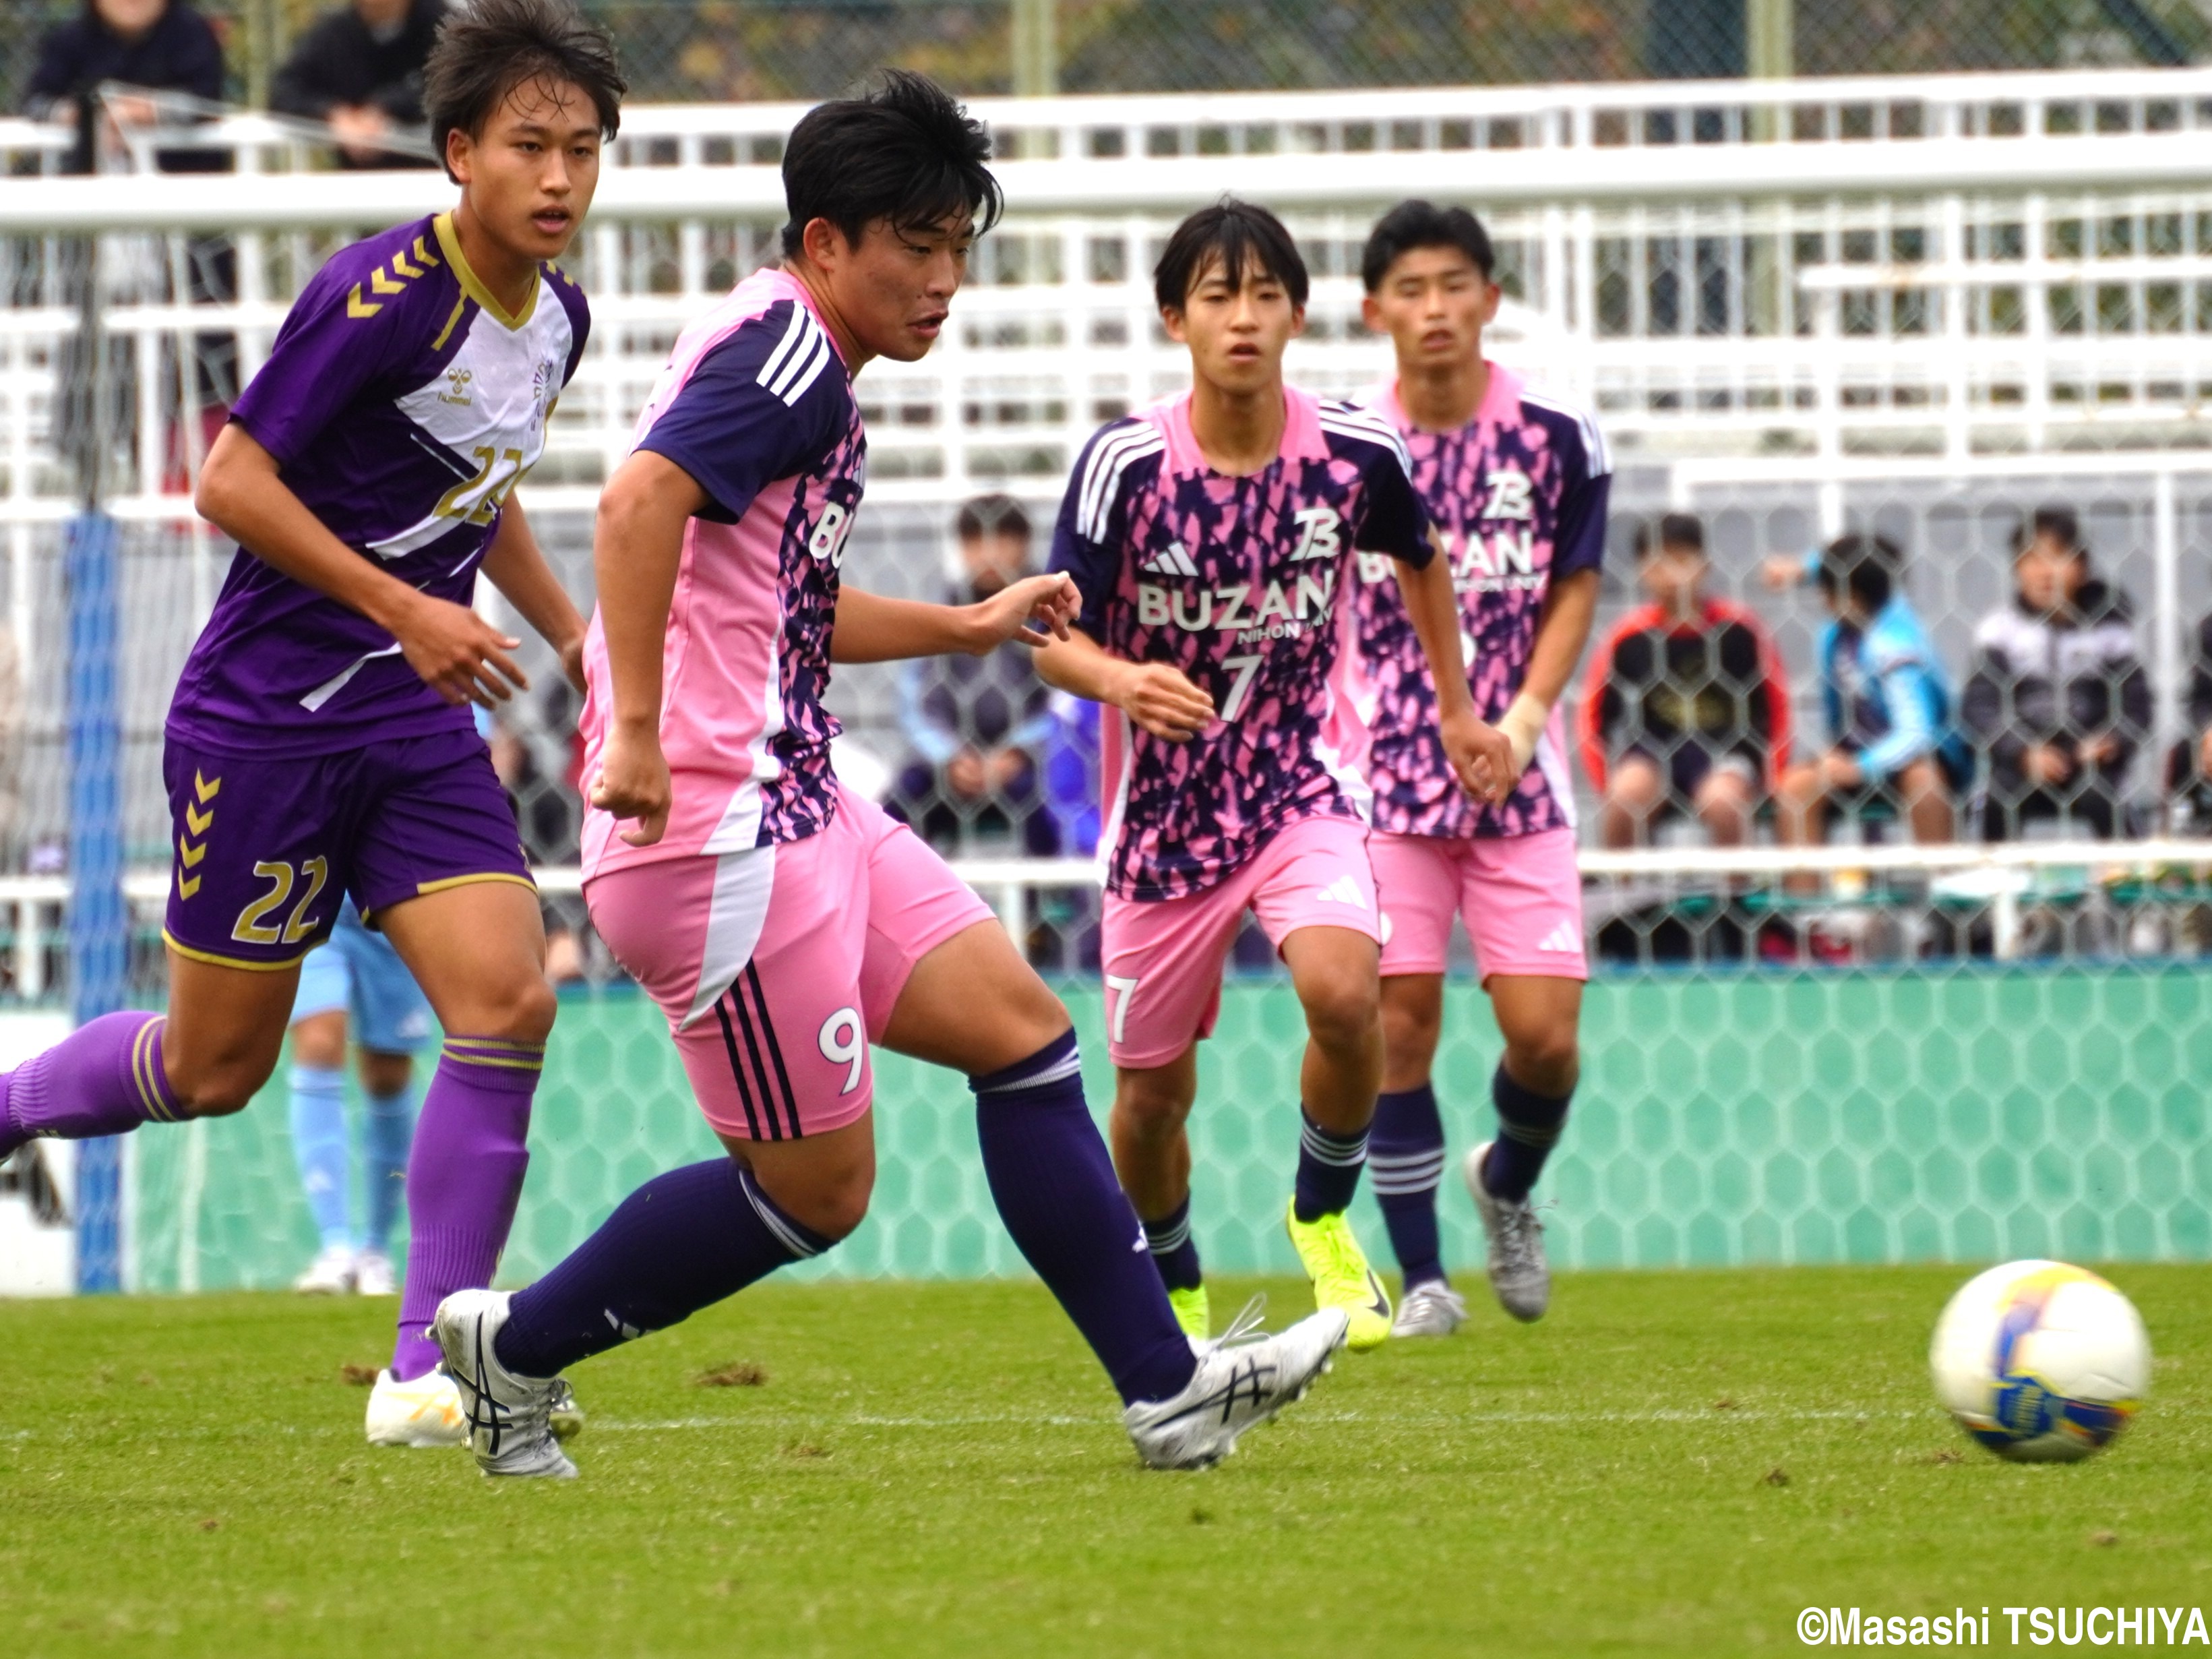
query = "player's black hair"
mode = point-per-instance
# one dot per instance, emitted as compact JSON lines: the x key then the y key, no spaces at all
{"x":905,"y":151}
{"x":484,"y":52}
{"x":1863,"y":565}
{"x":1416,"y":224}
{"x":1669,"y":529}
{"x":2057,"y":524}
{"x":990,"y":515}
{"x":1237,"y":234}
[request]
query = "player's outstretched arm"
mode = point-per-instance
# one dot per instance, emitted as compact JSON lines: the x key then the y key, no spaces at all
{"x":455,"y":651}
{"x":1480,"y":756}
{"x":637,"y":548}
{"x":1157,"y":695}
{"x":1561,"y":633}
{"x":871,"y":628}
{"x":516,"y":565}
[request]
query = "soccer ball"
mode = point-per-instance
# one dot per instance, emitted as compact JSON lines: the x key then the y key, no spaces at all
{"x":2040,"y":1362}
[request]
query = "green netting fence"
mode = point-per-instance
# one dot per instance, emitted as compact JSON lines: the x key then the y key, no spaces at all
{"x":1969,"y":1113}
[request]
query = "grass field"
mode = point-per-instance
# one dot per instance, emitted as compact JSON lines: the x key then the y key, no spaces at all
{"x":1670,"y":1463}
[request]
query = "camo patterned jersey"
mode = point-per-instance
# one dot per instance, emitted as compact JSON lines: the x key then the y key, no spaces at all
{"x":1518,"y":495}
{"x":1235,"y":581}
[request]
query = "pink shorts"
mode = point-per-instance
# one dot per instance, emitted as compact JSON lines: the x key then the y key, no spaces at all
{"x":1521,"y":895}
{"x":1163,"y":956}
{"x":778,"y":966}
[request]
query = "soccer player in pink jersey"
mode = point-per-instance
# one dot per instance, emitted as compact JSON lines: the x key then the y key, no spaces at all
{"x":1211,"y":536}
{"x":781,"y":922}
{"x":1516,"y":483}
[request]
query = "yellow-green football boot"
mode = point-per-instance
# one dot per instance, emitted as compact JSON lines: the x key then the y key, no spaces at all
{"x":1341,"y":1277}
{"x":1192,"y":1313}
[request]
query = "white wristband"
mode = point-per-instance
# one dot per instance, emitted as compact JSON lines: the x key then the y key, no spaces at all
{"x":1523,"y":723}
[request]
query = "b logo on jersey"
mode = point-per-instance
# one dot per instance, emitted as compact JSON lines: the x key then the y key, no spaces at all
{"x":1510,"y":496}
{"x":827,"y":543}
{"x":1317,"y":528}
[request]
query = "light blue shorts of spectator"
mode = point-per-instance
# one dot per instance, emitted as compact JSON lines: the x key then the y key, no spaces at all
{"x":359,"y":974}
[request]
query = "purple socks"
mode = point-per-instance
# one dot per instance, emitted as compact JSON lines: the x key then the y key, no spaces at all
{"x":463,"y":1180}
{"x":682,"y":1242}
{"x":1055,"y":1190}
{"x":1328,"y":1170}
{"x":1405,"y":1150}
{"x":1173,"y":1252}
{"x":1527,"y":1128}
{"x":106,"y":1078}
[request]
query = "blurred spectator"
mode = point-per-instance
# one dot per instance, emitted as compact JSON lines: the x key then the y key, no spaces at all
{"x":979,"y":727}
{"x":163,"y":46}
{"x":160,"y":45}
{"x":1685,"y":708}
{"x":2058,"y":701}
{"x":1888,"y":702}
{"x":360,"y":69}
{"x":2189,"y":766}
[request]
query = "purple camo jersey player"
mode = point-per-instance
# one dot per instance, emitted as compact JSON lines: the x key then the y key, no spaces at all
{"x":320,"y":742}
{"x":1212,"y":538}
{"x":1516,"y":483}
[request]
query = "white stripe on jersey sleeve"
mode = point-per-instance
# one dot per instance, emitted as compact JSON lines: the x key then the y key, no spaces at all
{"x":1601,"y":458}
{"x":793,"y":331}
{"x":805,"y":367}
{"x":1347,"y":422}
{"x":1103,"y":477}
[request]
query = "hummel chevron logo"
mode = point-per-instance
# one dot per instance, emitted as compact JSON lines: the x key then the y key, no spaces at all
{"x":356,"y":307}
{"x":1344,"y":891}
{"x":1565,"y":938}
{"x":1175,"y":562}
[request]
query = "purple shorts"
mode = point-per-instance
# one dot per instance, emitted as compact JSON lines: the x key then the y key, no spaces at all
{"x":266,"y":849}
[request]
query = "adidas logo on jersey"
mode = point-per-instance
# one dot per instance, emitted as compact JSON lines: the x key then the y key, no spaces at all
{"x":1175,"y":562}
{"x":1344,"y":891}
{"x":1566,"y":939}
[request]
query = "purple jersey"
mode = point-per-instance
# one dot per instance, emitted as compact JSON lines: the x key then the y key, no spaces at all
{"x":402,"y":403}
{"x":1518,"y":495}
{"x":1235,"y":581}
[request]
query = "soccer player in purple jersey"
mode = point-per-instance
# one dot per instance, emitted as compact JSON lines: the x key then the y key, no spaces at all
{"x":1211,"y":536}
{"x":1516,"y":484}
{"x":784,"y":923}
{"x":321,"y":740}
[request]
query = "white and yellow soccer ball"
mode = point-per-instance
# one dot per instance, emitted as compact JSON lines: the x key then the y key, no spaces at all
{"x":2041,"y":1362}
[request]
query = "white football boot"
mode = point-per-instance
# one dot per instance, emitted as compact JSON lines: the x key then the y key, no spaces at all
{"x":425,"y":1413}
{"x":1244,"y":1378}
{"x":1432,"y":1308}
{"x":331,"y":1274}
{"x":372,"y":1274}
{"x":1518,"y":1273}
{"x":509,"y":1417}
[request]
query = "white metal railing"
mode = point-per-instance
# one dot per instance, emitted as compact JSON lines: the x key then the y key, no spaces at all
{"x":2003,"y":876}
{"x":1970,"y":264}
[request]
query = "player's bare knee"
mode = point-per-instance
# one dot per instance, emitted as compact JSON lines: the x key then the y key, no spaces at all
{"x":1150,"y":1105}
{"x":219,"y":1091}
{"x":1547,"y":1060}
{"x":1343,"y":1010}
{"x":521,"y":1012}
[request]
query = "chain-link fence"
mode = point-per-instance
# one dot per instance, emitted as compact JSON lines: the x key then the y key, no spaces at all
{"x":718,"y":49}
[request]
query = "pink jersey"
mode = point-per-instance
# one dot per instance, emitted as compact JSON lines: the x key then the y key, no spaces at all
{"x":1518,"y":494}
{"x":1235,"y":580}
{"x":757,"y":406}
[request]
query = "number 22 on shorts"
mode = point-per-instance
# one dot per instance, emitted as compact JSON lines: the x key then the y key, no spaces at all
{"x":250,"y":927}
